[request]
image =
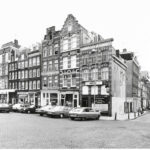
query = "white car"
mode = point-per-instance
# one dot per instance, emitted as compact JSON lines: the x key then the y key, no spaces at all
{"x":43,"y":110}
{"x":17,"y":107}
{"x":84,"y":113}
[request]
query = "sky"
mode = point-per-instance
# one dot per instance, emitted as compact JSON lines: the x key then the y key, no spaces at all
{"x":126,"y":21}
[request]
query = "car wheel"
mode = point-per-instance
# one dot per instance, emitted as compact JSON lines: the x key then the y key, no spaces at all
{"x":71,"y":118}
{"x":97,"y":117}
{"x":61,"y":115}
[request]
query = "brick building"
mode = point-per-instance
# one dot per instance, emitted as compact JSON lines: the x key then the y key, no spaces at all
{"x":102,"y":83}
{"x":6,"y":52}
{"x":50,"y":67}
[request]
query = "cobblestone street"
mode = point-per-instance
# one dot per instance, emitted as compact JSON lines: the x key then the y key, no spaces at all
{"x":33,"y":131}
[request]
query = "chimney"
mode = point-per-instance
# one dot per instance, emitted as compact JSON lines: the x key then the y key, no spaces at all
{"x":117,"y":53}
{"x":124,"y":50}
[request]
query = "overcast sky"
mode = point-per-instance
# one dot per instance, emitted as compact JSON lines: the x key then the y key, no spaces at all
{"x":127,"y":21}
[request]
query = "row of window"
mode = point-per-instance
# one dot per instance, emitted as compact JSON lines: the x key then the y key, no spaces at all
{"x":51,"y":81}
{"x":49,"y":50}
{"x":50,"y":65}
{"x":24,"y":74}
{"x":34,"y":61}
{"x":86,"y":74}
{"x":31,"y":85}
{"x":72,"y":42}
{"x":72,"y":64}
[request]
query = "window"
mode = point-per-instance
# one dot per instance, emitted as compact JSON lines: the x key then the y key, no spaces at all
{"x":22,"y":64}
{"x":38,"y":84}
{"x":65,"y":62}
{"x":26,"y":85}
{"x":38,"y":61}
{"x":55,"y":81}
{"x":12,"y":67}
{"x":19,"y":85}
{"x":73,"y":61}
{"x":85,"y":90}
{"x":34,"y":73}
{"x":38,"y":72}
{"x":26,"y":73}
{"x":34,"y":61}
{"x":9,"y":85}
{"x":93,"y":59}
{"x":50,"y":81}
{"x":15,"y":66}
{"x":56,"y":64}
{"x":104,"y":73}
{"x":44,"y":66}
{"x":69,"y":28}
{"x":84,"y":61}
{"x":16,"y":86}
{"x":22,"y":85}
{"x":94,"y":74}
{"x":18,"y":65}
{"x":50,"y":51}
{"x":94,"y":90}
{"x":56,"y":49}
{"x":45,"y":82}
{"x":85,"y":75}
{"x":9,"y":76}
{"x":19,"y":75}
{"x":50,"y":66}
{"x":22,"y":74}
{"x":45,"y":52}
{"x":30,"y":62}
{"x":65,"y":80}
{"x":34,"y":85}
{"x":43,"y":95}
{"x":104,"y":56}
{"x":30,"y":85}
{"x":65,"y":45}
{"x":73,"y":42}
{"x":26,"y":64}
{"x":15,"y":75}
{"x":73,"y":80}
{"x":30,"y":73}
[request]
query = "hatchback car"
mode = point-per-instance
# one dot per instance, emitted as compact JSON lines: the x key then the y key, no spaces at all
{"x":59,"y":111}
{"x":17,"y":107}
{"x":84,"y":113}
{"x":4,"y":108}
{"x":43,"y":110}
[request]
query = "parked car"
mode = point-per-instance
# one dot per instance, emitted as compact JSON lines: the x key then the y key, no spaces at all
{"x":27,"y":108}
{"x":17,"y":107}
{"x":84,"y":113}
{"x":59,"y":111}
{"x":4,"y":108}
{"x":43,"y":110}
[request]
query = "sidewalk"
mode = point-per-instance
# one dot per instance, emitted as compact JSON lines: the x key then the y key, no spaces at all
{"x":127,"y":116}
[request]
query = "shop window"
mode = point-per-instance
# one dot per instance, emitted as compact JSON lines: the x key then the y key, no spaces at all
{"x":104,"y":90}
{"x":94,"y":90}
{"x":85,"y":90}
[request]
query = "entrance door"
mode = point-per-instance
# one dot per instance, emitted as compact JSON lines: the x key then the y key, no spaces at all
{"x":69,"y":99}
{"x":84,"y":102}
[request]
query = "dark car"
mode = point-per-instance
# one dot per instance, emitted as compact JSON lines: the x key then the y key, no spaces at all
{"x":28,"y":108}
{"x":5,"y":108}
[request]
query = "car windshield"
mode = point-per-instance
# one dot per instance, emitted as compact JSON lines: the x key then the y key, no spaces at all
{"x":77,"y":109}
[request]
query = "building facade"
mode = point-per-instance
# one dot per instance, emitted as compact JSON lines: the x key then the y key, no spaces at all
{"x":132,"y":87}
{"x":50,"y":93}
{"x":7,"y":52}
{"x":99,"y":87}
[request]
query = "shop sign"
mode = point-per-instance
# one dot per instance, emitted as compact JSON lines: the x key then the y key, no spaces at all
{"x":101,"y":99}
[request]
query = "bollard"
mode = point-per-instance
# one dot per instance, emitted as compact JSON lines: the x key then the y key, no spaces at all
{"x":115,"y":116}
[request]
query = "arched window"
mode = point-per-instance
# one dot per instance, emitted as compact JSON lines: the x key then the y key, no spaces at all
{"x":94,"y":90}
{"x":85,"y":90}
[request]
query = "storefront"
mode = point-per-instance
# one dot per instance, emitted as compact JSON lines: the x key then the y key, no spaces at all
{"x":50,"y":97}
{"x":69,"y":98}
{"x":22,"y":97}
{"x":5,"y":95}
{"x":34,"y":98}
